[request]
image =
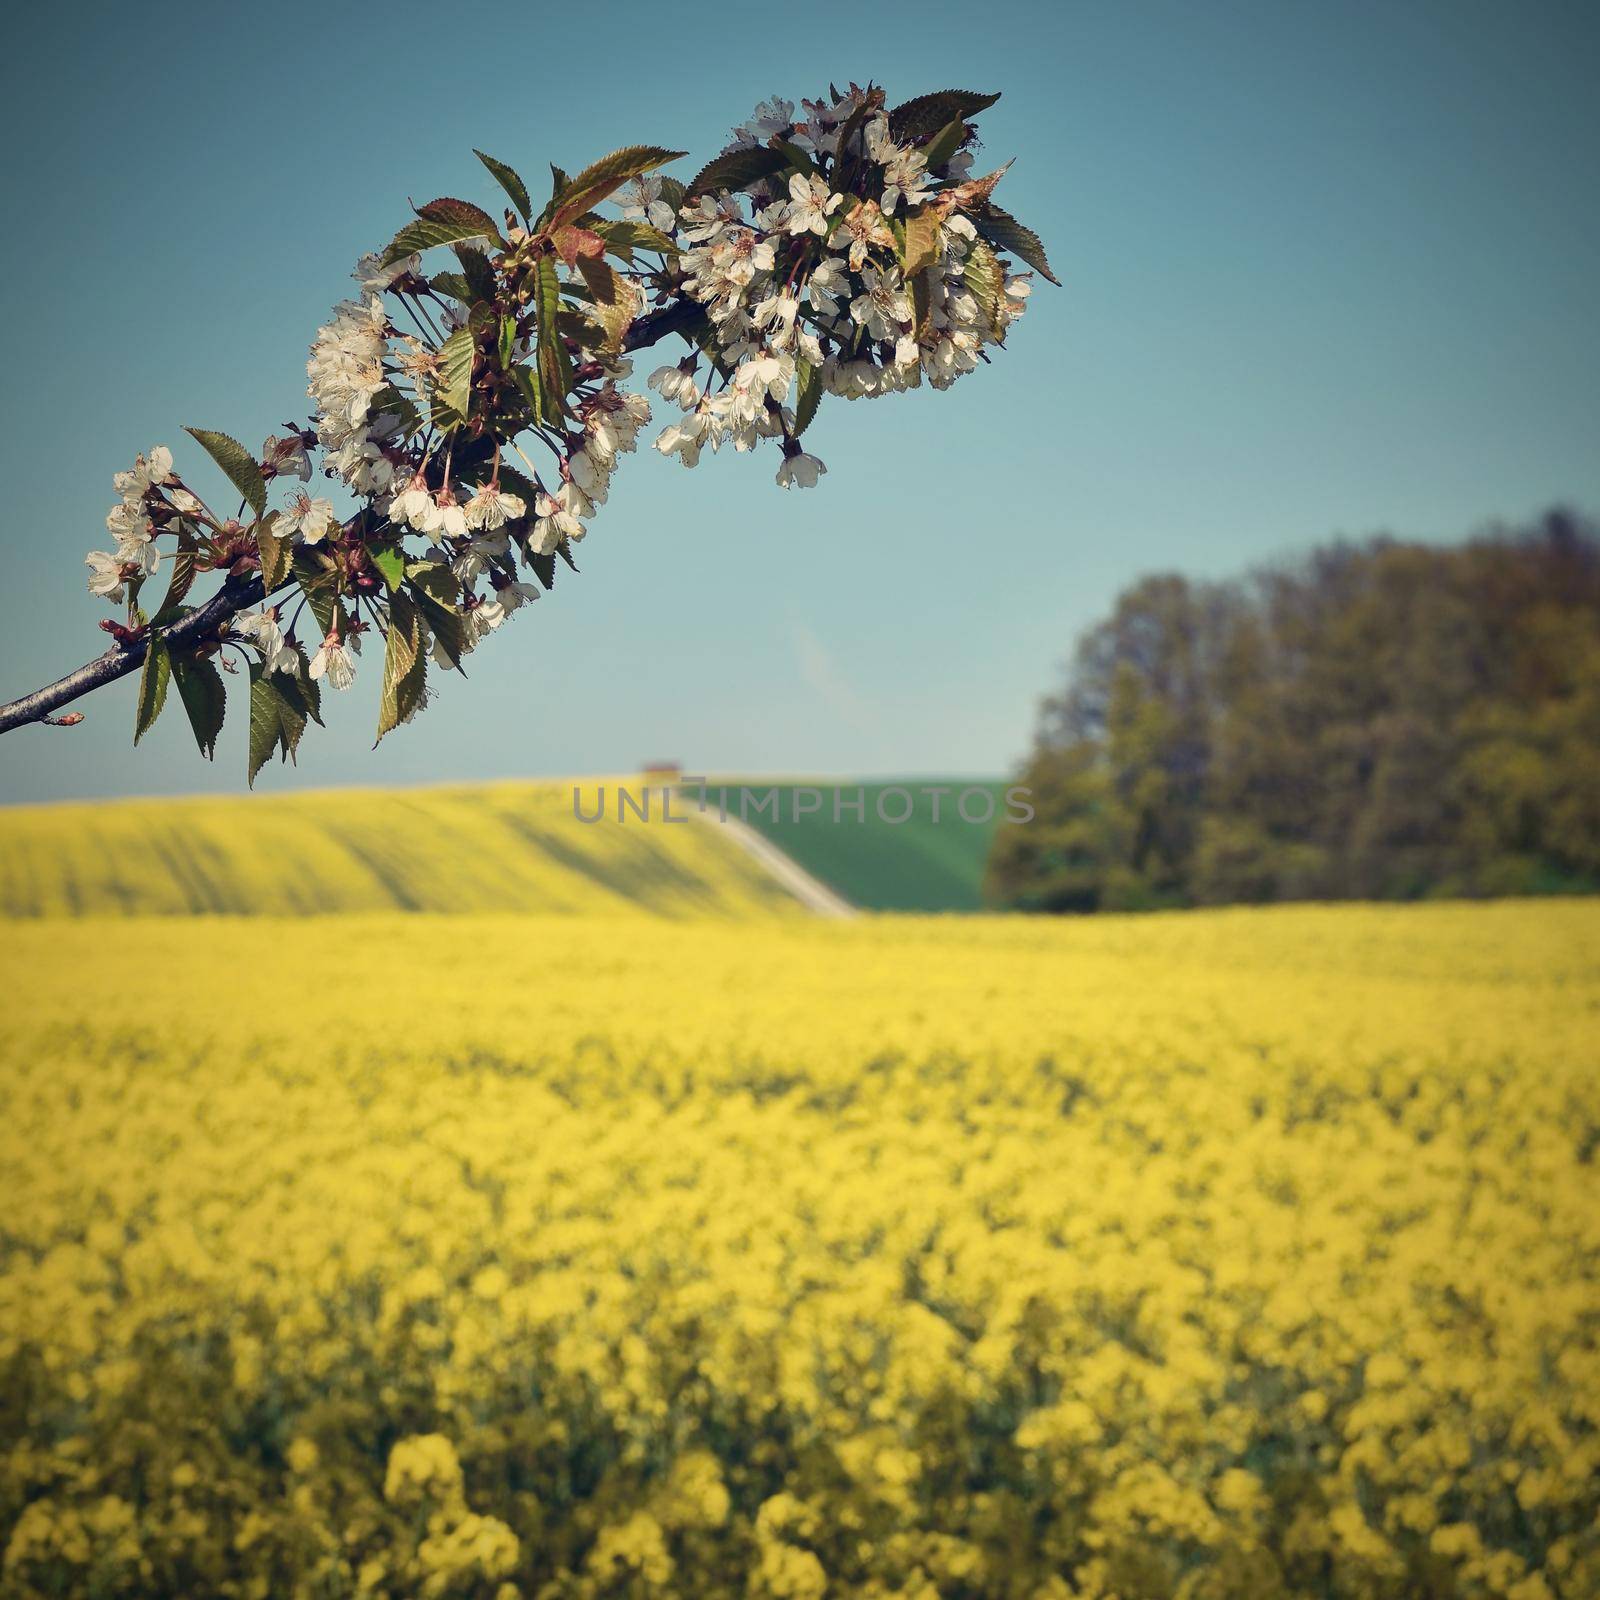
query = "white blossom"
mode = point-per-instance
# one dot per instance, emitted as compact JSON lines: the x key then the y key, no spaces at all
{"x":309,"y":518}
{"x":811,"y":205}
{"x":287,"y":457}
{"x":491,"y":507}
{"x":105,"y":575}
{"x":676,"y":385}
{"x":374,"y":277}
{"x":262,"y":629}
{"x":642,"y":202}
{"x":333,"y":662}
{"x":800,"y":469}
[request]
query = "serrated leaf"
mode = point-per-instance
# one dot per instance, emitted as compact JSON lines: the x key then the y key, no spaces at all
{"x":456,"y":356}
{"x":944,"y":144}
{"x":404,"y":665}
{"x":508,"y":180}
{"x":528,"y":386}
{"x":544,"y":567}
{"x":204,"y":697}
{"x":574,"y":243}
{"x":602,"y":178}
{"x":921,"y":303}
{"x":391,"y":563}
{"x":447,"y":209}
{"x":426,"y":233}
{"x":475,"y":268}
{"x":183,"y":571}
{"x":672,"y":191}
{"x":390,"y":399}
{"x":736,"y":169}
{"x":276,"y":554}
{"x":242,"y":469}
{"x":265,"y":729}
{"x":918,"y":246}
{"x":152,"y":686}
{"x":928,"y":113}
{"x":453,"y":284}
{"x":616,"y":302}
{"x":280,"y":707}
{"x":443,"y":620}
{"x":317,"y":586}
{"x":308,"y":692}
{"x":808,"y":395}
{"x":554,"y":366}
{"x":797,"y":158}
{"x":623,"y":238}
{"x":985,"y":278}
{"x":1004,"y":232}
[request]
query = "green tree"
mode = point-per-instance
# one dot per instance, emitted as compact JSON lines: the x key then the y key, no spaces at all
{"x":1379,"y":720}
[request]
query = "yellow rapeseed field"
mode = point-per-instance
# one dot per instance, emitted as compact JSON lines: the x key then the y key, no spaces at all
{"x":479,"y":847}
{"x":1225,"y":1254}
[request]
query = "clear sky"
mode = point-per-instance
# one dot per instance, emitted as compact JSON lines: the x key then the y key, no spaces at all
{"x":1328,"y":269}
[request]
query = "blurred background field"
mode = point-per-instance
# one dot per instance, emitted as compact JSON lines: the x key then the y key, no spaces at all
{"x":1234,"y":1253}
{"x":481,"y":847}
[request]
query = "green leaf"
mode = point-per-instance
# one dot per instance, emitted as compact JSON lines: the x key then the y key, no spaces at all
{"x":242,"y":469}
{"x":528,"y":386}
{"x":280,"y":707}
{"x":404,"y":666}
{"x":921,"y":302}
{"x":436,"y":592}
{"x":265,"y":729}
{"x":616,"y":303}
{"x":456,"y":357}
{"x":461,"y":212}
{"x":928,"y":113}
{"x":919,"y":249}
{"x":204,"y":697}
{"x":985,"y":279}
{"x":275,"y":553}
{"x":544,"y":568}
{"x":479,"y":274}
{"x":944,"y":143}
{"x":453,"y":284}
{"x":317,"y":586}
{"x":391,"y":562}
{"x":797,"y":158}
{"x":736,"y":169}
{"x":1004,"y":232}
{"x":182,"y":571}
{"x":554,"y":366}
{"x":508,"y":180}
{"x":623,"y":238}
{"x":441,"y":222}
{"x":808,"y":395}
{"x":672,"y":191}
{"x":602,"y":178}
{"x":152,"y":686}
{"x":390,"y":399}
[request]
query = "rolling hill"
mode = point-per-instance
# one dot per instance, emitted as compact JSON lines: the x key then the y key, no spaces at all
{"x":489,"y":847}
{"x":879,"y":865}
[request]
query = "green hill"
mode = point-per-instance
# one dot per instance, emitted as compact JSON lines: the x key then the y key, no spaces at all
{"x":881,"y":865}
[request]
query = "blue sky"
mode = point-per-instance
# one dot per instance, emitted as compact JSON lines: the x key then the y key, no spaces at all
{"x":1327,"y":270}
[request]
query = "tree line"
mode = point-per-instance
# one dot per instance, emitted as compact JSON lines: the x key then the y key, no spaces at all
{"x":1378,"y":720}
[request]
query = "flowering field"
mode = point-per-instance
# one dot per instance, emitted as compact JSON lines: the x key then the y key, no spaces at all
{"x":471,"y":847}
{"x":1227,"y":1254}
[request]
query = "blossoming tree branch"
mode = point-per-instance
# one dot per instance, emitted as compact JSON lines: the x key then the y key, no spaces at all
{"x":471,"y":404}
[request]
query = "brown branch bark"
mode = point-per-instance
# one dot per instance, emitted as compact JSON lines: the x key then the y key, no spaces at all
{"x":117,"y":662}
